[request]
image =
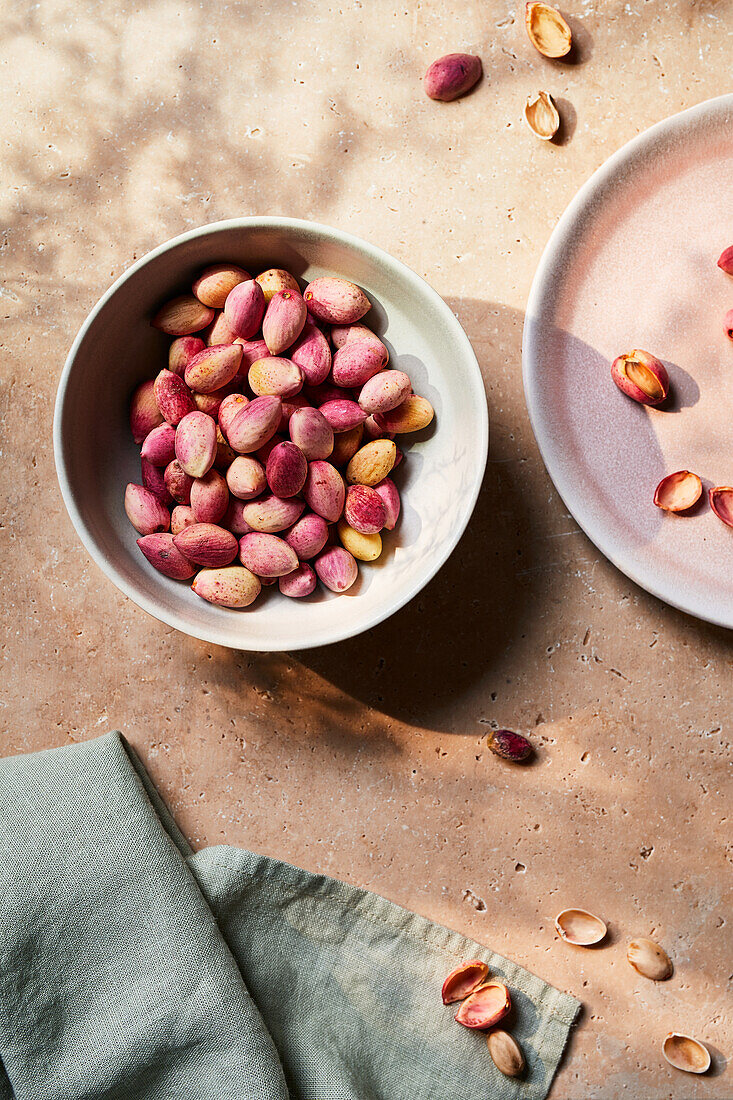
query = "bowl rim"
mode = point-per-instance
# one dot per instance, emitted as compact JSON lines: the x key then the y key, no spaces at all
{"x":218,"y":636}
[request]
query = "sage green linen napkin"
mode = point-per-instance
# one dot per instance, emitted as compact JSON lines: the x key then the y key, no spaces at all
{"x":131,"y":967}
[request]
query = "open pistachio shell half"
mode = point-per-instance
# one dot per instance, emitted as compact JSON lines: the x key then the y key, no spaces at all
{"x":580,"y":927}
{"x":464,"y":980}
{"x":721,"y":502}
{"x":541,"y":115}
{"x":679,"y":491}
{"x":686,"y":1053}
{"x":485,"y":1007}
{"x":548,"y":32}
{"x":649,"y":959}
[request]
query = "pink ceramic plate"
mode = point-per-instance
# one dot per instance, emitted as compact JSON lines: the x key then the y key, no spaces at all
{"x":632,"y":264}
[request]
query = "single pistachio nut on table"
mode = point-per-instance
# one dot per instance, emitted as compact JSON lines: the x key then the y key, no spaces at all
{"x":452,"y":76}
{"x":256,"y":468}
{"x":508,"y":744}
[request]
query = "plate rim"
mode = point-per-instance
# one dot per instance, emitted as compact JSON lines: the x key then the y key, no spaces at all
{"x":557,"y":242}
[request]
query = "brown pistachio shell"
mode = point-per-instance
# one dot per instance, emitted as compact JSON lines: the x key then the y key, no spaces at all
{"x":649,"y":959}
{"x":679,"y":491}
{"x":548,"y":32}
{"x":685,"y":1053}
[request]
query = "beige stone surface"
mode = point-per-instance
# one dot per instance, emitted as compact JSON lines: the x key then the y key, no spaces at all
{"x":124,"y":124}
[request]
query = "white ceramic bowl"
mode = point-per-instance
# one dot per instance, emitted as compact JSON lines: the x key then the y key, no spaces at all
{"x":439,"y":481}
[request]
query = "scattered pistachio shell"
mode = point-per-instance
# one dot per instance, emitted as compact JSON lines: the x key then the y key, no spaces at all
{"x":686,"y":1053}
{"x":649,"y":959}
{"x":721,"y":502}
{"x":580,"y":927}
{"x":509,"y":745}
{"x":548,"y":32}
{"x":464,"y":980}
{"x":677,"y":492}
{"x":485,"y":1006}
{"x":541,"y":115}
{"x":505,"y":1052}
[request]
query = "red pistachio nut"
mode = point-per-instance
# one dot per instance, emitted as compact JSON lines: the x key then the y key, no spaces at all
{"x":246,"y":477}
{"x":182,"y":316}
{"x":725,"y":260}
{"x":485,"y":1007}
{"x":272,"y":514}
{"x":287,"y":469}
{"x":213,"y":367}
{"x":364,"y":509}
{"x":275,"y":376}
{"x":219,"y":332}
{"x":337,"y":569}
{"x":178,"y":482}
{"x":677,"y":492}
{"x":301,"y":582}
{"x":153,"y":478}
{"x":207,"y":544}
{"x":284,"y":319}
{"x":164,"y":556}
{"x":254,"y":425}
{"x":311,"y":432}
{"x":308,"y":536}
{"x":312,"y":354}
{"x":267,"y":555}
{"x":181,"y":517}
{"x":233,"y":586}
{"x":209,"y":497}
{"x":230,"y":406}
{"x":342,"y":414}
{"x":358,"y":361}
{"x":276,"y":279}
{"x":159,"y":445}
{"x":214,"y":284}
{"x":452,"y":76}
{"x":464,"y":979}
{"x":144,"y":412}
{"x":196,"y":443}
{"x":336,"y":300}
{"x":324,"y":490}
{"x":385,"y":391}
{"x":182,"y":351}
{"x":387,"y":490}
{"x":144,"y":511}
{"x":641,"y":376}
{"x":173,"y":396}
{"x":721,"y":502}
{"x":509,"y":745}
{"x":244,"y":308}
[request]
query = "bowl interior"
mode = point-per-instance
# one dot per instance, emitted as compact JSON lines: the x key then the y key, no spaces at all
{"x":438,"y":481}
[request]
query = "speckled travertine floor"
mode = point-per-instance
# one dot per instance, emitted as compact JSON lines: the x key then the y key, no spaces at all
{"x":124,"y":124}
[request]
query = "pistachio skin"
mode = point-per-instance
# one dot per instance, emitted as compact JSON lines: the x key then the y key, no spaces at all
{"x":725,"y":260}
